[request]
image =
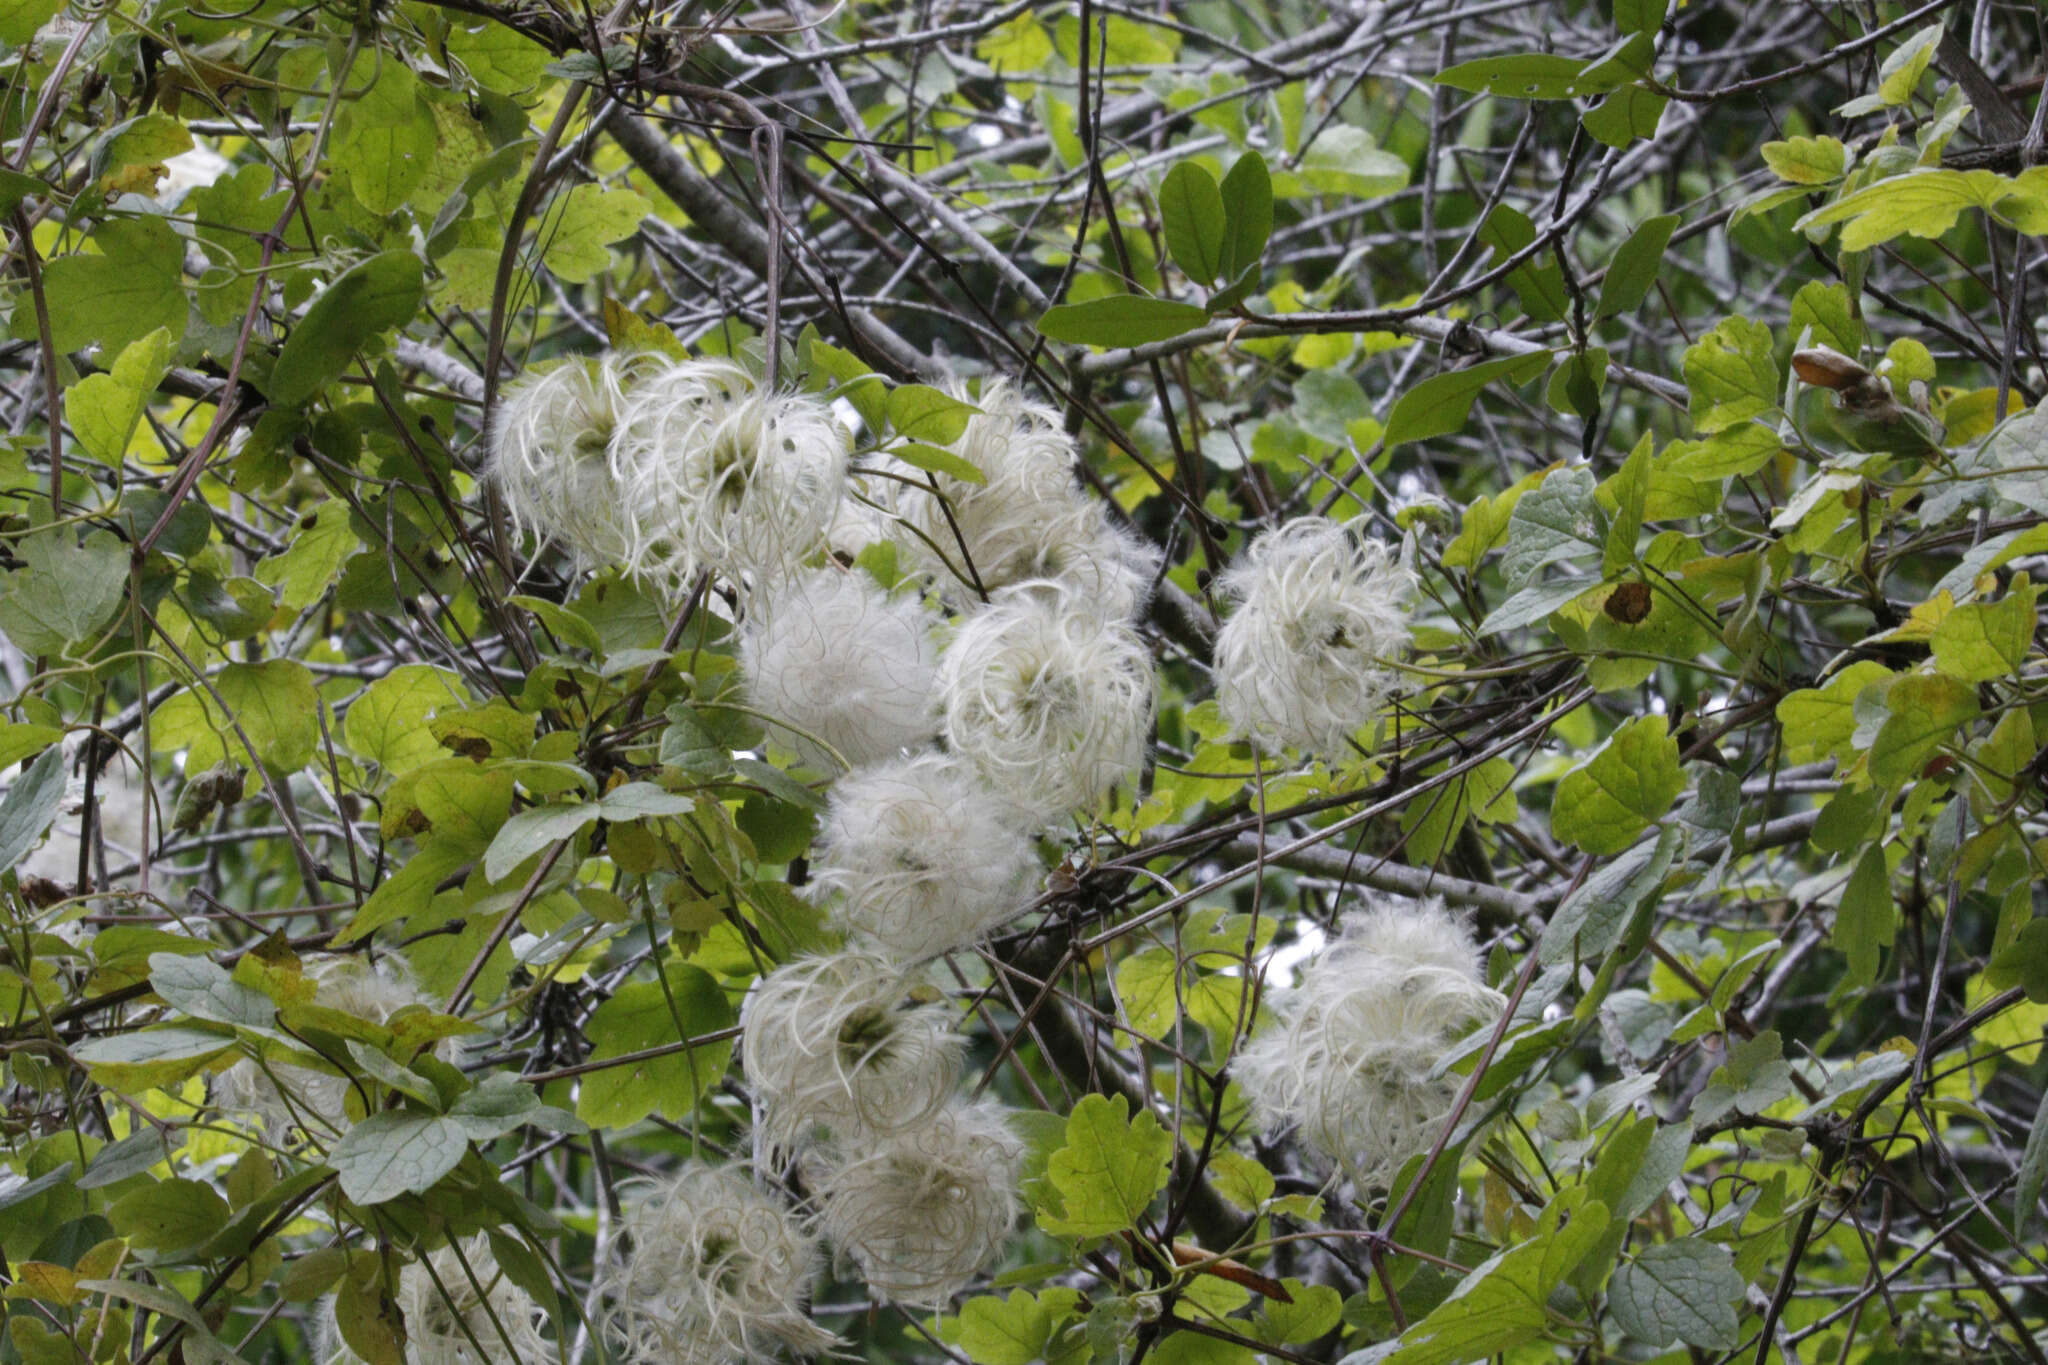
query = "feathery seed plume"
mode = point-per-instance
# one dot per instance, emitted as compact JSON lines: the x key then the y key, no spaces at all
{"x":921,"y":856}
{"x":837,"y":658}
{"x":1302,"y":661}
{"x":718,"y":1273}
{"x":1350,"y":1054}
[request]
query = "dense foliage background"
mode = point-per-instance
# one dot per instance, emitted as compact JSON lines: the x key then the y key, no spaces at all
{"x":1720,"y":721}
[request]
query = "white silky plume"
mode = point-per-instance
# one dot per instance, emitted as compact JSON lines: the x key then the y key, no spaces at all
{"x":923,"y":1212}
{"x":831,"y":1046}
{"x":1050,"y":701}
{"x":548,"y":455}
{"x":446,"y":1324}
{"x":1350,"y":1052}
{"x":1104,"y":566}
{"x":917,"y":857}
{"x":1030,"y":520}
{"x":717,"y":1273}
{"x":738,"y":480}
{"x":286,"y":1097}
{"x":1303,"y":661}
{"x":830,"y":653}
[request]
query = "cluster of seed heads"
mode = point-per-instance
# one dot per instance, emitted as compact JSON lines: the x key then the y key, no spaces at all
{"x":1001,"y":686}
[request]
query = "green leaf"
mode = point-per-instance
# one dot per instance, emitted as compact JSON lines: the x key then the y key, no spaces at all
{"x":1557,"y":520}
{"x":387,"y":724}
{"x":19,"y":19}
{"x":1625,"y":115}
{"x":409,"y":891}
{"x":1432,"y":820}
{"x":134,"y":286}
{"x":1316,"y":1309}
{"x":30,"y":805}
{"x":463,"y":802}
{"x":1533,"y":603}
{"x":1018,"y":1330}
{"x":688,"y":746}
{"x":1591,"y":921}
{"x":104,"y":409}
{"x":570,"y":630}
{"x":502,"y":1103}
{"x":398,"y":1151}
{"x":1121,"y":320}
{"x":1738,"y":450}
{"x":199,"y":1345}
{"x":1979,"y":641}
{"x":1342,"y":160}
{"x":1682,"y":1291}
{"x":1248,"y":215}
{"x":1522,"y":76}
{"x":1503,"y":1301}
{"x":309,"y":566}
{"x":1924,"y":711}
{"x":388,"y":143}
{"x":1820,"y":721}
{"x":1900,"y":75}
{"x":2022,"y":963}
{"x":2026,"y":1193}
{"x":1192,"y":217}
{"x":162,"y":1055}
{"x":1104,"y":1178}
{"x":1754,"y":1078}
{"x":1629,"y":490}
{"x":1640,"y":16}
{"x":1821,"y":312}
{"x":130,"y":1157}
{"x":374,"y":297}
{"x":1019,"y":47}
{"x":584,"y":223}
{"x":169,"y":1215}
{"x":938,"y":460}
{"x":1576,"y":385}
{"x":927,"y":415}
{"x":1539,"y":287}
{"x":1866,"y":919}
{"x":1438,"y":406}
{"x":1240,"y":1179}
{"x":64,"y":592}
{"x":1807,"y":160}
{"x":534,"y":831}
{"x":1926,"y":201}
{"x":1634,"y":267}
{"x":636,"y":1018}
{"x":278,"y":708}
{"x":203,"y":989}
{"x":1629,"y":782}
{"x":1732,"y":375}
{"x":496,"y":54}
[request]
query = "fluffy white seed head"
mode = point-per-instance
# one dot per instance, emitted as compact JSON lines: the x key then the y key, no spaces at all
{"x":1029,"y":520}
{"x":548,"y":454}
{"x":1052,"y":702}
{"x":918,"y":857}
{"x":745,"y":482}
{"x":1303,"y":659}
{"x":831,"y":1045}
{"x":923,"y":1212}
{"x":446,"y":1324}
{"x":717,"y":1273}
{"x":287,"y":1097}
{"x":833,"y":655}
{"x":1349,"y":1055}
{"x":861,"y":521}
{"x":1104,"y":566}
